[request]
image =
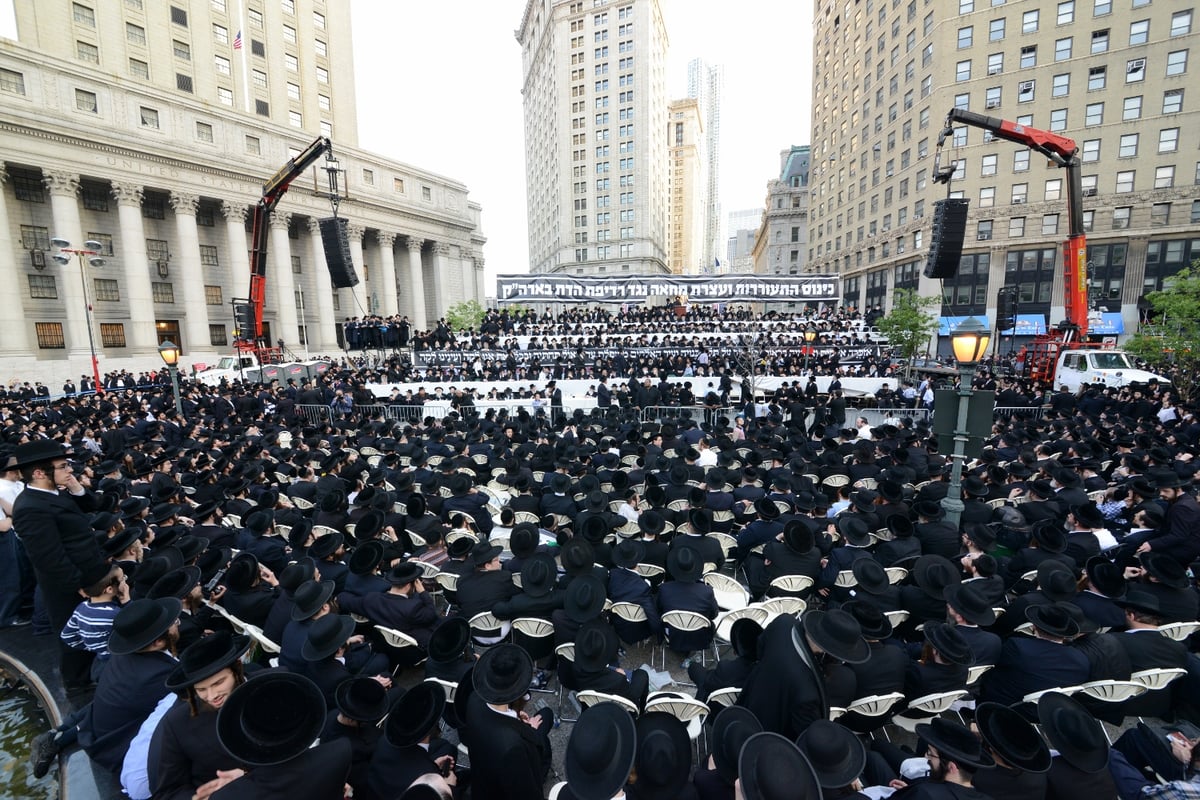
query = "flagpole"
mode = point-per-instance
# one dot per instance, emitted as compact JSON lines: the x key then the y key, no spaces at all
{"x":245,"y":69}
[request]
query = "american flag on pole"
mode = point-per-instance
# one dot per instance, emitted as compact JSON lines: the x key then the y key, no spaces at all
{"x":237,"y":41}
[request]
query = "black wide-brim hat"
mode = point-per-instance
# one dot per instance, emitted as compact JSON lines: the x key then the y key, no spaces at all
{"x":524,"y":539}
{"x":538,"y":575}
{"x":577,"y":556}
{"x":664,"y":756}
{"x":1012,"y":737}
{"x":870,"y":575}
{"x":584,"y":598}
{"x":326,"y":635}
{"x":402,"y":573}
{"x":115,"y":545}
{"x":685,"y":564}
{"x":309,"y":597}
{"x":1106,"y":576}
{"x":772,"y":768}
{"x":1052,"y":619}
{"x":326,"y":545}
{"x":835,"y":753}
{"x":368,"y":525}
{"x":1073,"y":731}
{"x":933,"y":573}
{"x":596,"y":645}
{"x":1140,"y":601}
{"x":949,"y":642}
{"x":628,"y":553}
{"x":766,"y":509}
{"x":854,"y":530}
{"x":271,"y":718}
{"x":743,"y":636}
{"x":731,"y":728}
{"x":502,"y":674}
{"x":37,"y":451}
{"x":955,"y":743}
{"x":871,"y":620}
{"x":414,"y":714}
{"x":362,"y":699}
{"x":449,"y":640}
{"x":971,"y":603}
{"x":206,"y":657}
{"x":1050,"y":536}
{"x":838,"y":634}
{"x":366,"y":557}
{"x":177,"y":583}
{"x":601,"y":752}
{"x":1165,"y":569}
{"x":140,"y":623}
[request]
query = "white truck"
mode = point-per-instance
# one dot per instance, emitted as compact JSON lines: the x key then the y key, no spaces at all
{"x":1079,"y":368}
{"x":228,"y":368}
{"x":245,"y":365}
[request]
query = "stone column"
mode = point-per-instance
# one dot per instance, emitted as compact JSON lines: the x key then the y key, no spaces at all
{"x":323,"y":338}
{"x":138,"y":297}
{"x":357,"y":295}
{"x":387,"y":274}
{"x":480,"y":288}
{"x":466,"y":266}
{"x":189,"y":276}
{"x":14,"y":343}
{"x":281,"y":276}
{"x":416,"y":280}
{"x":441,"y":279}
{"x":239,"y":249}
{"x":64,"y":210}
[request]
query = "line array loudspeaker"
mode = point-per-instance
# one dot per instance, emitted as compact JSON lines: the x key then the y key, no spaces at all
{"x":336,"y":239}
{"x":946,"y":240}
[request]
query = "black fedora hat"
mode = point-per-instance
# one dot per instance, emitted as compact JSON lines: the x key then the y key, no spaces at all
{"x":971,"y":603}
{"x":772,"y":768}
{"x":1137,"y":600}
{"x":326,"y":545}
{"x":1012,"y":737}
{"x":901,"y":526}
{"x":949,"y":642}
{"x":798,"y":536}
{"x":177,"y":583}
{"x":766,"y":509}
{"x":628,"y":553}
{"x":870,"y":575}
{"x":502,"y":674}
{"x":664,"y":756}
{"x":1165,"y":569}
{"x":1053,"y":620}
{"x":1050,"y":536}
{"x":584,"y":598}
{"x":366,"y":557}
{"x":652,"y":522}
{"x":523,"y":541}
{"x":837,"y":633}
{"x":362,"y":699}
{"x":326,"y":635}
{"x":854,"y":530}
{"x":929,"y":509}
{"x":538,"y":575}
{"x":460,"y":547}
{"x":414,"y":714}
{"x":206,"y":657}
{"x":874,"y":624}
{"x":403,"y":573}
{"x":577,"y":557}
{"x":1073,"y":731}
{"x":1088,"y":515}
{"x":835,"y":753}
{"x":309,"y":597}
{"x":731,"y":728}
{"x":271,"y":719}
{"x":296,"y":573}
{"x":37,"y":451}
{"x":596,"y":645}
{"x":140,"y":623}
{"x":743,"y":636}
{"x":601,"y":752}
{"x":484,"y":553}
{"x":1105,"y":576}
{"x":242,"y":572}
{"x":933,"y":573}
{"x":685,"y":564}
{"x":369,"y":525}
{"x":891,"y":491}
{"x":449,"y":640}
{"x":1056,"y":580}
{"x":955,"y":742}
{"x":115,"y":545}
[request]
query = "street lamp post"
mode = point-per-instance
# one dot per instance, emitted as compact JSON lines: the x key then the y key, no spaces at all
{"x":970,"y":342}
{"x":91,"y":250}
{"x":810,"y":336}
{"x":169,"y":352}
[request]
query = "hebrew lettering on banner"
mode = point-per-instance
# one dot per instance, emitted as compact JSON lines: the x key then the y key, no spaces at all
{"x":590,"y":355}
{"x":636,"y":288}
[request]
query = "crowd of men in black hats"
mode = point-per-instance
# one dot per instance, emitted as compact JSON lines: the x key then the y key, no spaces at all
{"x":366,"y":552}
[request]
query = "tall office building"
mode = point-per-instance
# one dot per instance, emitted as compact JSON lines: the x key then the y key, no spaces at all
{"x":705,"y":83}
{"x":739,"y":248}
{"x":687,"y":211}
{"x":1111,"y":74}
{"x":596,"y":160}
{"x":149,"y":128}
{"x":781,"y":243}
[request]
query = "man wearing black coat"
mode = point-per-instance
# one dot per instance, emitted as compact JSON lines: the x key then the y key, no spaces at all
{"x":406,"y":606}
{"x":51,"y":519}
{"x":488,"y":585}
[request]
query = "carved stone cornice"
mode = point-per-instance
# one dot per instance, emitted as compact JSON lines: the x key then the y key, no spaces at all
{"x":441,"y":248}
{"x":62,"y":184}
{"x":184,"y":203}
{"x":281,"y":220}
{"x":314,"y":226}
{"x":234,"y":211}
{"x":387,"y":240}
{"x":355,"y":231}
{"x":414,"y":243}
{"x":127,"y":194}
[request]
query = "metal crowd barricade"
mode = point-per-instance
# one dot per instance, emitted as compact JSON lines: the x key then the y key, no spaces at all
{"x":698,"y":413}
{"x":315,"y":415}
{"x":1006,"y":412}
{"x":878,"y":416}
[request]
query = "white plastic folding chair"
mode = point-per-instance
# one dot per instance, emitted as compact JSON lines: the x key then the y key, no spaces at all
{"x":730,"y":594}
{"x":488,"y":629}
{"x":1033,"y":697}
{"x":683,"y":622}
{"x":1179,"y":630}
{"x":688,"y":710}
{"x":650,"y":571}
{"x":1112,"y":692}
{"x":896,"y":574}
{"x":920,"y":709}
{"x":976,"y":672}
{"x":722,"y":698}
{"x":896,"y":617}
{"x":588,"y":698}
{"x":724,"y":622}
{"x":875,"y":707}
{"x":790,"y":585}
{"x":845,"y":579}
{"x":1155,"y":679}
{"x":776,"y":606}
{"x":397,"y":639}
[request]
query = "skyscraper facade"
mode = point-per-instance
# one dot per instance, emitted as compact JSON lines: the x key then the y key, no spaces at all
{"x":596,"y":157}
{"x":705,"y":84}
{"x":687,"y":211}
{"x":781,"y":243}
{"x":149,"y":128}
{"x":1111,"y":74}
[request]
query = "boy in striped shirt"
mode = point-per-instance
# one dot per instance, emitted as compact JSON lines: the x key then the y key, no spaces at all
{"x":92,"y":620}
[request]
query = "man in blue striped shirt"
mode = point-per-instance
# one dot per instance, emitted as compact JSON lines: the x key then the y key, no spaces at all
{"x":92,"y":620}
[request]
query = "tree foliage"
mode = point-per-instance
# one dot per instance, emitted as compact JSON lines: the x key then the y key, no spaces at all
{"x":908,"y":325}
{"x":1170,"y":342}
{"x":465,"y":315}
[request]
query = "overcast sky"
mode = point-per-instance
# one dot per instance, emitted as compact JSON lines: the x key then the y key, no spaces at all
{"x":439,"y":86}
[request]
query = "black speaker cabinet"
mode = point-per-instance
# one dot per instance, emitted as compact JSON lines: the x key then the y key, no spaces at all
{"x":946,"y":241}
{"x":336,"y":240}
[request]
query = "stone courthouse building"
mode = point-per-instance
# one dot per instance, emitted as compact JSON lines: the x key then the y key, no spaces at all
{"x":149,"y":127}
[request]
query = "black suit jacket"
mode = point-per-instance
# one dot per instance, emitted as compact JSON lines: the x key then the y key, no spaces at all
{"x":316,"y":774}
{"x":185,"y":753}
{"x":129,"y":689}
{"x":481,"y":591}
{"x":1066,"y":782}
{"x":509,"y":759}
{"x":1099,"y":609}
{"x":883,"y":672}
{"x":985,"y":645}
{"x":695,"y":596}
{"x":1151,"y":650}
{"x":56,"y":531}
{"x":786,"y":690}
{"x":393,"y":768}
{"x":1029,"y":665}
{"x":414,"y":615}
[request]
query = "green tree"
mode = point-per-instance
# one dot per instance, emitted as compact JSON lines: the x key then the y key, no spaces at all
{"x":465,"y":315}
{"x":908,"y":325}
{"x":1171,"y":341}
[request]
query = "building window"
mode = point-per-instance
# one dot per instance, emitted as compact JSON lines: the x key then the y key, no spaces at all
{"x":35,"y":237}
{"x":1089,"y":219}
{"x":255,"y":17}
{"x":135,"y":34}
{"x":297,"y":266}
{"x":322,"y":75}
{"x":296,"y":119}
{"x":291,"y":62}
{"x":1121,"y":217}
{"x":262,"y":108}
{"x":1195,"y":217}
{"x":293,"y":91}
{"x":1100,"y":41}
{"x":222,"y":65}
{"x":1066,"y":12}
{"x":139,"y":69}
{"x":1029,"y":21}
{"x":49,"y":335}
{"x":1016,"y":227}
{"x":1181,"y":23}
{"x":1128,"y":145}
{"x":1093,"y":114}
{"x":289,"y":34}
{"x":318,"y":21}
{"x":323,"y":102}
{"x":179,"y":16}
{"x":1177,"y":62}
{"x":1135,"y":70}
{"x":1168,"y":140}
{"x":1097,"y":78}
{"x":966,"y":36}
{"x":1103,"y":7}
{"x":1164,"y":177}
{"x":225,"y":96}
{"x":217,"y":336}
{"x":1026,"y":91}
{"x":149,"y":117}
{"x":320,"y":47}
{"x":1049,"y":224}
{"x":42,"y":287}
{"x":183,"y":82}
{"x":1160,"y":214}
{"x":105,"y":240}
{"x":1139,"y":32}
{"x":988,"y":165}
{"x":258,"y":78}
{"x":1021,"y":161}
{"x":1058,"y":119}
{"x":1125,"y":181}
{"x":996,"y":30}
{"x":204,"y":216}
{"x":1172,"y":101}
{"x":1053,"y":189}
{"x":220,"y":34}
{"x":426,"y":193}
{"x":182,"y":50}
{"x":87,"y":52}
{"x":12,"y":82}
{"x":1062,"y":49}
{"x":112,"y":334}
{"x":208,"y":255}
{"x":163,"y":292}
{"x":1131,"y":108}
{"x":962,"y":70}
{"x":253,"y":145}
{"x":212,"y":295}
{"x":83,"y":15}
{"x":1061,"y":85}
{"x":86,"y":101}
